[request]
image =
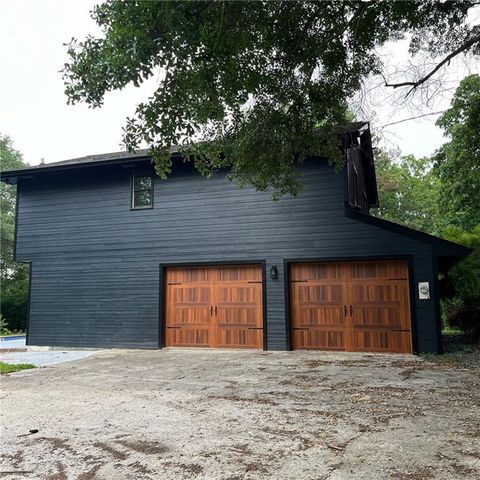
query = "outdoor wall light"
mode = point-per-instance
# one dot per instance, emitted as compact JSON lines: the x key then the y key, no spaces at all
{"x":274,"y":272}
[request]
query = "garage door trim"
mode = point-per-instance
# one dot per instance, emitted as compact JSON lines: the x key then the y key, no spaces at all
{"x":162,"y":291}
{"x":411,"y":287}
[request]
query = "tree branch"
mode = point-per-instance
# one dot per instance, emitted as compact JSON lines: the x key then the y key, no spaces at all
{"x":413,"y":118}
{"x":415,"y":84}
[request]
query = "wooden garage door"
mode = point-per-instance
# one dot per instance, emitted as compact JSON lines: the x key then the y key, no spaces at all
{"x":352,"y":306}
{"x":214,"y":307}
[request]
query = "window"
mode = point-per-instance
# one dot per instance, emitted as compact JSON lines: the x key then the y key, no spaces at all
{"x":142,"y":190}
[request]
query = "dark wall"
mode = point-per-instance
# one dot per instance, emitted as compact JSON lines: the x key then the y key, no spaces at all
{"x":95,"y":262}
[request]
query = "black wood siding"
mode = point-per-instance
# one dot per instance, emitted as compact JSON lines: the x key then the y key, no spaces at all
{"x":95,"y":262}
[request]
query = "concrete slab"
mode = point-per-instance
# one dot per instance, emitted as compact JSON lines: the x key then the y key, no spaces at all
{"x":8,"y":343}
{"x":41,"y":359}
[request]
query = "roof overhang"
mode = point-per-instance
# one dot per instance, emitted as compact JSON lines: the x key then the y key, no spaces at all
{"x":440,"y":248}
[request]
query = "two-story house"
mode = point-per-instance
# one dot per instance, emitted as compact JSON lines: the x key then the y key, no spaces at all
{"x":121,"y":258}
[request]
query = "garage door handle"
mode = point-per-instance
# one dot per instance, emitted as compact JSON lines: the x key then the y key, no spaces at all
{"x":254,"y":328}
{"x":297,"y":328}
{"x":174,"y":327}
{"x":215,"y":310}
{"x":211,"y":310}
{"x":351,"y":310}
{"x":345,"y":310}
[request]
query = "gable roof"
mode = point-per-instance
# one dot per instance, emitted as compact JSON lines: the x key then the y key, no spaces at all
{"x":11,"y":176}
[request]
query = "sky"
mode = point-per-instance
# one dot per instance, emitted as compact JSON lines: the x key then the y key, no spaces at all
{"x":34,"y":111}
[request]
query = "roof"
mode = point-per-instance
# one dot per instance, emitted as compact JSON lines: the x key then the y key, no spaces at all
{"x":11,"y":176}
{"x":104,"y":159}
{"x":441,"y":247}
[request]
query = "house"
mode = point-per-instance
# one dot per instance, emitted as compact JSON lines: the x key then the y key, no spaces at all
{"x":121,"y":258}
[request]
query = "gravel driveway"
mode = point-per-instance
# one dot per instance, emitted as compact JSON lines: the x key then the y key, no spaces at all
{"x":216,"y":414}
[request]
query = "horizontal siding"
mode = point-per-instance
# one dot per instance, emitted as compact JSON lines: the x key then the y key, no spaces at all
{"x":95,"y":275}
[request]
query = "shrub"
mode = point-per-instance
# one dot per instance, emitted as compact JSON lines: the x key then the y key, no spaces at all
{"x":462,"y":309}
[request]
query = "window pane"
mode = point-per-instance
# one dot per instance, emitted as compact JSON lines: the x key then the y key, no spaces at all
{"x":142,"y":183}
{"x":142,"y":199}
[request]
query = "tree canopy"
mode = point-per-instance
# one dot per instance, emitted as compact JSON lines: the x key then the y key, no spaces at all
{"x":409,"y":192}
{"x":245,"y":85}
{"x":10,"y":159}
{"x":13,"y":276}
{"x":440,"y":195}
{"x":458,"y":161}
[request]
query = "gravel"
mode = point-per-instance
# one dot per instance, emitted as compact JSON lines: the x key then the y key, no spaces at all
{"x":218,"y":414}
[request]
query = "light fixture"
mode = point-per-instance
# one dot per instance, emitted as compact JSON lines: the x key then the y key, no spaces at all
{"x":274,"y":272}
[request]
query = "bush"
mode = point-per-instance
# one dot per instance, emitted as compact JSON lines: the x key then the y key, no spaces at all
{"x":4,"y":326}
{"x":467,"y":318}
{"x":462,"y":309}
{"x":14,"y":301}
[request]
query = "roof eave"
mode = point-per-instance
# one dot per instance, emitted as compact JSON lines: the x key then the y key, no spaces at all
{"x":440,"y":247}
{"x":11,"y":176}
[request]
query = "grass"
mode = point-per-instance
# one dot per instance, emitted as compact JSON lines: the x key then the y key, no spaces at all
{"x":451,"y":331}
{"x":12,"y":334}
{"x":14,"y":367}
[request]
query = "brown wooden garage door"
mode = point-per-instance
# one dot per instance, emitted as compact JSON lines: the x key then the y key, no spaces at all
{"x":214,"y":307}
{"x":353,"y":306}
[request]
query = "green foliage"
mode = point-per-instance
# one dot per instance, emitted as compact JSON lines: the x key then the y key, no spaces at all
{"x":244,"y":84}
{"x":457,"y":162}
{"x":463,"y":308}
{"x":4,"y":326}
{"x":409,"y":192}
{"x":466,"y":274}
{"x":445,"y":200}
{"x":14,"y":299}
{"x":14,"y":276}
{"x":10,"y":159}
{"x":14,"y":367}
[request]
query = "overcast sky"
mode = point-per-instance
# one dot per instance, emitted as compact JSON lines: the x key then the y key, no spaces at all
{"x":33,"y":109}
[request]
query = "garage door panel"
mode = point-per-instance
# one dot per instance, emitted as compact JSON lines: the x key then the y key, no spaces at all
{"x":237,"y":274}
{"x":356,"y":306}
{"x":318,"y":305}
{"x":240,"y":315}
{"x":318,"y":339}
{"x":229,"y":337}
{"x":320,"y":316}
{"x":381,"y":341}
{"x":188,"y":337}
{"x":185,"y":275}
{"x":378,"y":293}
{"x":182,"y":317}
{"x":238,"y":295}
{"x":192,"y":295}
{"x":215,"y":307}
{"x":316,"y":271}
{"x":314,"y":293}
{"x":388,"y":269}
{"x":317,"y":313}
{"x":377,"y":316}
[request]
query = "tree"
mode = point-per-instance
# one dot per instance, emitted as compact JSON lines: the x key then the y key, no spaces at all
{"x":457,"y":162}
{"x":245,"y":84}
{"x":409,"y":192}
{"x":14,"y":276}
{"x":462,"y":308}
